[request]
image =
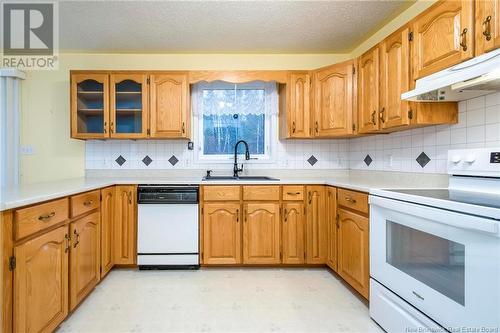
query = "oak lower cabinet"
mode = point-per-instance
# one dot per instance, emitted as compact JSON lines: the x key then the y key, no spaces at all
{"x":331,"y":217}
{"x":353,"y":260}
{"x":221,"y":233}
{"x":85,"y":260}
{"x":107,"y":223}
{"x":261,"y":233}
{"x":316,"y":227}
{"x":125,"y":222}
{"x":41,"y":282}
{"x":293,"y":232}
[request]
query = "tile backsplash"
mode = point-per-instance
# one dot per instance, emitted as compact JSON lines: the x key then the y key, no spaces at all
{"x":425,"y":149}
{"x":418,"y":150}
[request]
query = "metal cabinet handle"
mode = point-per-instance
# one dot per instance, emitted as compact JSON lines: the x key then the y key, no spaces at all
{"x":286,"y":214}
{"x":105,"y":127}
{"x":245,"y":213}
{"x":316,"y":127}
{"x":292,"y":193}
{"x":381,"y":115}
{"x":88,"y":203}
{"x":487,"y":28}
{"x":237,"y":215}
{"x":463,"y":39}
{"x":129,"y":195}
{"x":293,"y":126}
{"x":46,"y":217}
{"x":77,"y":238}
{"x":351,"y":200}
{"x":309,"y":197}
{"x":112,"y":126}
{"x":183,"y":128}
{"x":374,"y":113}
{"x":68,"y":239}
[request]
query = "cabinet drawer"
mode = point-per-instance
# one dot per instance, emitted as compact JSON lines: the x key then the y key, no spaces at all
{"x":293,"y":192}
{"x":84,"y":202}
{"x":261,"y":193}
{"x":30,"y":220}
{"x":221,"y":193}
{"x":354,"y":200}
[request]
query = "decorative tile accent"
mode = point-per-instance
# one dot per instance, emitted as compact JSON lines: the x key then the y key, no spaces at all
{"x":147,"y":160}
{"x":120,"y":160}
{"x":312,"y":160}
{"x":423,"y":159}
{"x":368,"y":160}
{"x":173,"y":160}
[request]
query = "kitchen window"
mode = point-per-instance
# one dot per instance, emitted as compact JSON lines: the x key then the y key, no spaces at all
{"x":228,"y":112}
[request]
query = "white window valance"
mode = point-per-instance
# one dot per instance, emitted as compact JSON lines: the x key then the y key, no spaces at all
{"x":224,"y":98}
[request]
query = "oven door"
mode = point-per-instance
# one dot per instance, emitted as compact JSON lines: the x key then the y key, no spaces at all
{"x":444,"y":263}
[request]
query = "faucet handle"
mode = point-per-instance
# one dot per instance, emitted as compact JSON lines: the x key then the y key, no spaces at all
{"x":209,"y":173}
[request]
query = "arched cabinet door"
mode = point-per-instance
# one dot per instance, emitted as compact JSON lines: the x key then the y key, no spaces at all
{"x":261,"y":233}
{"x":316,"y":225}
{"x":129,"y":106}
{"x":170,"y":116}
{"x":89,"y":106}
{"x":293,"y":232}
{"x":487,"y":25}
{"x":368,"y":91}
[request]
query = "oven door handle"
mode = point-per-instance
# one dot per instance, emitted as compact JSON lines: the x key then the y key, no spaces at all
{"x":438,"y":215}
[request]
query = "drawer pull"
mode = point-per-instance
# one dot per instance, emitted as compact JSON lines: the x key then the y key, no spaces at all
{"x":351,"y":200}
{"x":46,"y":217}
{"x":292,"y":193}
{"x":88,"y":203}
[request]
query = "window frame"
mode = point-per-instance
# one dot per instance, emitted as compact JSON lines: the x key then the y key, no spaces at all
{"x":270,"y":124}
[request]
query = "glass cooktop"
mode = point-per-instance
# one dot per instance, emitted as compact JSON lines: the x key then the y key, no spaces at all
{"x":473,"y":198}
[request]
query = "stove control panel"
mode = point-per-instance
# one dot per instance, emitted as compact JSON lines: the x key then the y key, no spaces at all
{"x":474,"y":162}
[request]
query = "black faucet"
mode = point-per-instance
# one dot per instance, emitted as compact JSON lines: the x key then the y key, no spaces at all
{"x":247,"y":157}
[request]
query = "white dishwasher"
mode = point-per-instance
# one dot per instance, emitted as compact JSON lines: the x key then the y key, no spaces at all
{"x":167,"y":235}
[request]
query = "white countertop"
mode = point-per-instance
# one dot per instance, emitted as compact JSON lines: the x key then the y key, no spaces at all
{"x":33,"y":193}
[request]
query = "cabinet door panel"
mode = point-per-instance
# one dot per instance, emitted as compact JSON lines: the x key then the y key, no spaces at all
{"x":261,"y":233}
{"x":368,"y":91}
{"x":353,"y":262}
{"x":331,"y":215}
{"x":84,"y":257}
{"x":107,"y":222}
{"x":316,"y":228}
{"x":41,"y":282}
{"x":125,"y":224}
{"x":394,"y":79}
{"x":442,"y":37}
{"x":333,"y":88}
{"x":293,"y":233}
{"x":487,"y":25}
{"x":169,"y":106}
{"x":221,"y":233}
{"x":299,"y":126}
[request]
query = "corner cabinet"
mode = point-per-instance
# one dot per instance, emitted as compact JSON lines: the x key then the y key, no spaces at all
{"x":170,"y":106}
{"x":124,"y":237}
{"x":442,"y":36}
{"x":331,"y":216}
{"x":107,"y":223}
{"x":487,"y":25}
{"x":334,"y":100}
{"x":295,"y":106}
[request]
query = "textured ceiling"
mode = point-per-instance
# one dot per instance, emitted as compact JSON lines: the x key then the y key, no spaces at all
{"x":221,"y":26}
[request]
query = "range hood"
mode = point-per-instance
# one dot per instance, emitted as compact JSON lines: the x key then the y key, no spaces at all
{"x":476,"y":77}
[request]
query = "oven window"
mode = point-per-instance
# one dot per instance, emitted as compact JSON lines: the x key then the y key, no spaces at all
{"x":435,"y":261}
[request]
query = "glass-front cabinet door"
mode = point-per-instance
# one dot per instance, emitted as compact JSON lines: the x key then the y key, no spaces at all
{"x":89,"y":106}
{"x":129,"y":106}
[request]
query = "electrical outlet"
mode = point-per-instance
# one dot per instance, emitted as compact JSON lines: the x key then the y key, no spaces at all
{"x":27,"y":150}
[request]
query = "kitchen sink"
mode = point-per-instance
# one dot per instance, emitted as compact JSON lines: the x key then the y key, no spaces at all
{"x":256,"y":178}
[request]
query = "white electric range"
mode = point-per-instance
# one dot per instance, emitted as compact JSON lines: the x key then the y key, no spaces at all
{"x":435,"y":253}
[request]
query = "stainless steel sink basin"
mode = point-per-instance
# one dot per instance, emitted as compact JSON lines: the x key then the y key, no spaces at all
{"x":256,"y":178}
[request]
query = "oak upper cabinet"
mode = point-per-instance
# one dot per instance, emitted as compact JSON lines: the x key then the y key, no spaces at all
{"x":316,"y":227}
{"x":129,"y":106}
{"x":295,"y":108}
{"x":41,"y":282}
{"x":394,"y":80}
{"x":487,"y":25}
{"x":85,"y":260}
{"x":169,"y":115}
{"x":221,"y":233}
{"x":443,"y":36}
{"x":334,"y":100}
{"x":89,"y":106}
{"x":353,"y":261}
{"x":293,"y":232}
{"x":368,"y":91}
{"x":124,"y":236}
{"x":107,"y":222}
{"x":331,"y":216}
{"x":261,"y":233}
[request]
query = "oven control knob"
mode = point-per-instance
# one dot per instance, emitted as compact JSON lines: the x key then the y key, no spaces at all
{"x":470,"y":158}
{"x":456,"y":159}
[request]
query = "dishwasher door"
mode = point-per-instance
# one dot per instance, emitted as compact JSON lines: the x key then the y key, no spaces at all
{"x":167,"y":235}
